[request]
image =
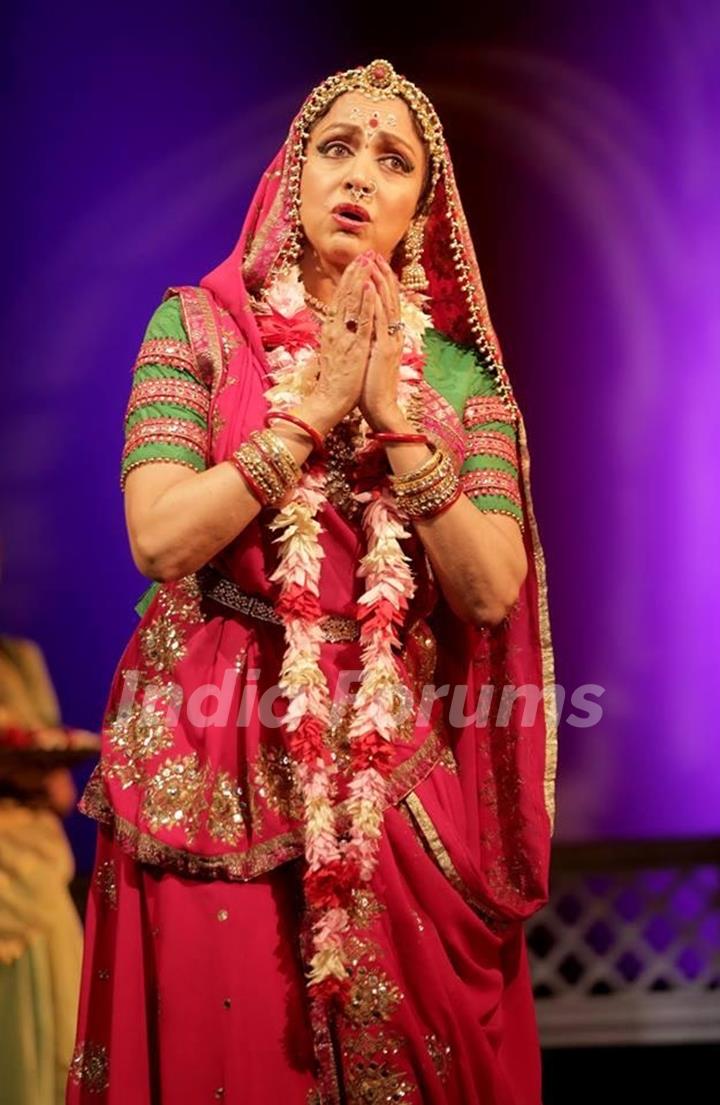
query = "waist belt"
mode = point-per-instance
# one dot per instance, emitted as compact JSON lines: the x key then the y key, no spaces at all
{"x":220,"y":589}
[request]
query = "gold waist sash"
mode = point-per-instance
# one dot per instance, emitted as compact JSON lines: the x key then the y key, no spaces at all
{"x":225,"y":591}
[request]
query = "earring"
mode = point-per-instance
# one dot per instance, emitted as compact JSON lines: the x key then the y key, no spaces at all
{"x":414,"y":276}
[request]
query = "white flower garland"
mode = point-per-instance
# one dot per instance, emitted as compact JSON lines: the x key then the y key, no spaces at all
{"x":336,"y":866}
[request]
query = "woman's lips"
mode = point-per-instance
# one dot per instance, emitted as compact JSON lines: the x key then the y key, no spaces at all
{"x":356,"y":225}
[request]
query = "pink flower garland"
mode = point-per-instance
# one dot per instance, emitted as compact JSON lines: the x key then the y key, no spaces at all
{"x":335,"y":866}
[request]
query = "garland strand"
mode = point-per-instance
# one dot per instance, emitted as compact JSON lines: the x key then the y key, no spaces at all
{"x":335,"y":866}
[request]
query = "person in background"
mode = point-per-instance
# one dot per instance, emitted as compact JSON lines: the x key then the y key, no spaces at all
{"x":40,"y":930}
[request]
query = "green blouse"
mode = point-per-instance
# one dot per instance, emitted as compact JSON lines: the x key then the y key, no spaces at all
{"x":167,"y":413}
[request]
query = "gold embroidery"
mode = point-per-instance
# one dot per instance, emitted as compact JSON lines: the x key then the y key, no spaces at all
{"x":484,"y":408}
{"x":107,"y":883}
{"x":140,"y":733}
{"x":184,"y":393}
{"x":175,"y":796}
{"x":167,"y":430}
{"x":548,"y":660}
{"x":492,"y":443}
{"x":161,"y":643}
{"x":336,"y":737}
{"x":257,"y":860}
{"x":441,"y":422}
{"x":373,"y":996}
{"x":182,"y":598}
{"x":440,"y":1055}
{"x":448,"y":761}
{"x":228,"y":810}
{"x":90,"y":1066}
{"x":365,"y":908}
{"x":369,"y":1048}
{"x":423,"y":657}
{"x":260,"y":857}
{"x":372,"y":1081}
{"x":218,"y":423}
{"x":275,"y":781}
{"x":201,"y":328}
{"x":491,"y":481}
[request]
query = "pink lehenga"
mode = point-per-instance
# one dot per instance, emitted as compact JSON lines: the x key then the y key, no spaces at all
{"x":198,"y":933}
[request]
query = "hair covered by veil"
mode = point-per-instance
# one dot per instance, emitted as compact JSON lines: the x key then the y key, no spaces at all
{"x":506,"y":761}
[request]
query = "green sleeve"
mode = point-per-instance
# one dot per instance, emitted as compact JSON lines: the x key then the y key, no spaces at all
{"x":489,"y":474}
{"x":167,"y":412}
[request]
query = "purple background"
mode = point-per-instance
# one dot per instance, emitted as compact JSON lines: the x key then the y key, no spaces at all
{"x":584,"y":138}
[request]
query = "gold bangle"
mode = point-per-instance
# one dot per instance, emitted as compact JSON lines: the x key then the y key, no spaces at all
{"x":422,"y":482}
{"x":261,"y":471}
{"x":278,"y":454}
{"x":433,"y":500}
{"x":407,"y":480}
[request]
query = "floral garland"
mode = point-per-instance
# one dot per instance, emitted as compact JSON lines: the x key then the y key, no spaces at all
{"x":336,"y":864}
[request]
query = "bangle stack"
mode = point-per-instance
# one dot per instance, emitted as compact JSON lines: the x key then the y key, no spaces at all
{"x":267,"y":465}
{"x":430,"y":489}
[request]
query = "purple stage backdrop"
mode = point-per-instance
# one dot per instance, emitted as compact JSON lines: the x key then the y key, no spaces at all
{"x":585,"y":142}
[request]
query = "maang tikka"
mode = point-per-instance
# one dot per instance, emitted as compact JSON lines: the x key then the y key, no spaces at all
{"x":413,"y":274}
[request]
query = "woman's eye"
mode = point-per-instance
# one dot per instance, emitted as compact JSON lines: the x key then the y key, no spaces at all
{"x":399,"y":161}
{"x":402,"y":163}
{"x":329,"y":145}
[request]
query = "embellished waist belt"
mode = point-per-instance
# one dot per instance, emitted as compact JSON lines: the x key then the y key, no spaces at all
{"x":220,"y":589}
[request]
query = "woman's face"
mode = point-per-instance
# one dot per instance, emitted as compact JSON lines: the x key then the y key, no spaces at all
{"x":360,"y":142}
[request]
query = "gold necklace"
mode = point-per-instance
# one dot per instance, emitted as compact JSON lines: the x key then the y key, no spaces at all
{"x":323,"y":308}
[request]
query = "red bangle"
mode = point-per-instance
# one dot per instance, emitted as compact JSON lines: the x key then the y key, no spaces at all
{"x":386,"y":437}
{"x":256,"y":490}
{"x":317,"y":438}
{"x":446,"y":506}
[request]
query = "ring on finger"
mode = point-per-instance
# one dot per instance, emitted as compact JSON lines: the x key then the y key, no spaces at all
{"x":393,"y":327}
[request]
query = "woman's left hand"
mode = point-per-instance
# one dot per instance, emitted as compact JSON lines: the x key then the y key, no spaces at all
{"x":378,"y":399}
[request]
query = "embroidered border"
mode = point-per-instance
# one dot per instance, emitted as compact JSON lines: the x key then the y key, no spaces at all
{"x":168,"y":389}
{"x":425,"y":826}
{"x":484,"y":408}
{"x":259,"y":858}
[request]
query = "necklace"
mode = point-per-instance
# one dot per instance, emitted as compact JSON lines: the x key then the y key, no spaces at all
{"x":323,"y":308}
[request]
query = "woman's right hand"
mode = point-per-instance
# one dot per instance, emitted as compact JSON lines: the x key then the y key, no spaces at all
{"x":343,"y":354}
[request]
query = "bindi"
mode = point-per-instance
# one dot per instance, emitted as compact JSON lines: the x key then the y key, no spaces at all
{"x":371,"y":120}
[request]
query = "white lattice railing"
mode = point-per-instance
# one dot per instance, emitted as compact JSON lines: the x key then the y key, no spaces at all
{"x":628,"y":948}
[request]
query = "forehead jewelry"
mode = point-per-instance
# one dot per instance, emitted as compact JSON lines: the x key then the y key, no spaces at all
{"x":371,"y":120}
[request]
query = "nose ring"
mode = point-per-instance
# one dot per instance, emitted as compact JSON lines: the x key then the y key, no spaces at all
{"x":358,"y":191}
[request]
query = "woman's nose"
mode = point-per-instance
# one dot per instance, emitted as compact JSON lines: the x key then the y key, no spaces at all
{"x":359,"y":183}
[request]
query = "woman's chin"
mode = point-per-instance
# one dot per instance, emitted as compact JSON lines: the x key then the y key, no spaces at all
{"x":343,"y":250}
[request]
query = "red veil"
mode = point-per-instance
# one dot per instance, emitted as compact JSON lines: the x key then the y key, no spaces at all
{"x":507,"y":760}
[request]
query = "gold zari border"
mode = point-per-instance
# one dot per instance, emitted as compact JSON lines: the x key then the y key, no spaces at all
{"x":259,"y":858}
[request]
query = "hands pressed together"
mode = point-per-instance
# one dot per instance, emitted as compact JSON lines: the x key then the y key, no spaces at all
{"x":359,"y":364}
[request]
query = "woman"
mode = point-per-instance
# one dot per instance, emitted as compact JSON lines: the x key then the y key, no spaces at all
{"x":305,"y":892}
{"x":40,"y":931}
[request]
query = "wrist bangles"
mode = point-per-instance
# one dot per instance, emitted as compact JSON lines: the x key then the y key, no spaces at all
{"x":287,"y":416}
{"x":431,"y":488}
{"x":267,"y":465}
